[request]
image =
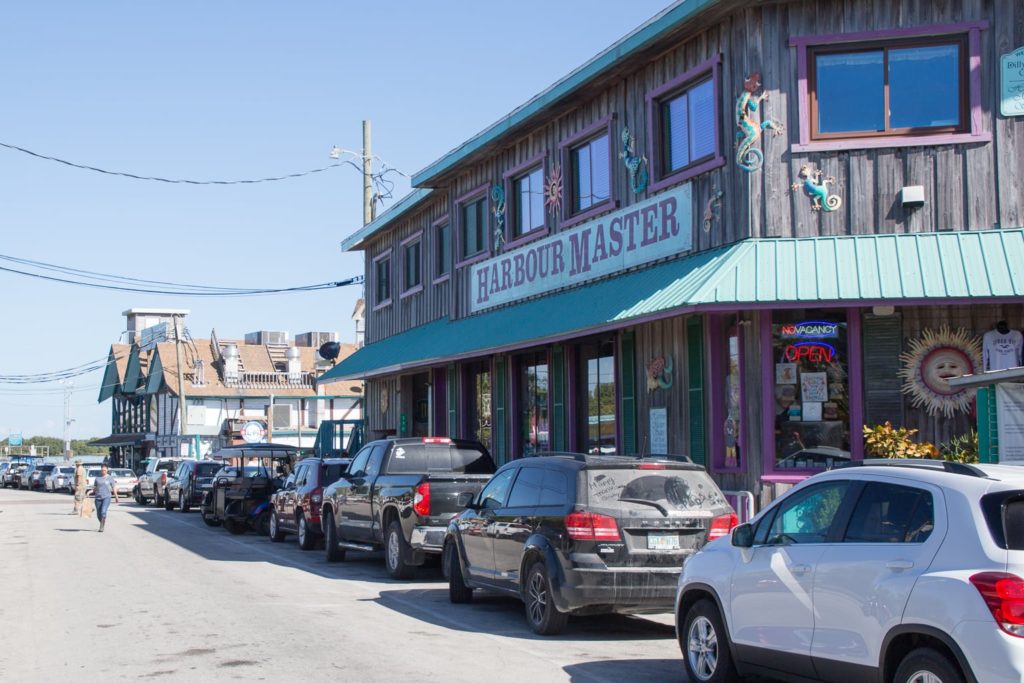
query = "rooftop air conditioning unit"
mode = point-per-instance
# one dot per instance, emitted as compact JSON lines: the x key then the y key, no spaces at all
{"x":266,"y":337}
{"x":315,"y":339}
{"x":281,"y":416}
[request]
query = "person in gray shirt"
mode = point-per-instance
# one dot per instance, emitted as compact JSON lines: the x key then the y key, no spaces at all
{"x":103,"y":488}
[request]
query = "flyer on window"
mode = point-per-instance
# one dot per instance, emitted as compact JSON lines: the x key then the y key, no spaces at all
{"x":813,"y":387}
{"x":785,"y":373}
{"x":812,"y":412}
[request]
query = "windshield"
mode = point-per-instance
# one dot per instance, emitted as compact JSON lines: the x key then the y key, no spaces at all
{"x":671,"y":489}
{"x":167,"y":465}
{"x":67,"y":470}
{"x":207,"y":469}
{"x":95,"y":472}
{"x":247,"y":471}
{"x":123,"y":473}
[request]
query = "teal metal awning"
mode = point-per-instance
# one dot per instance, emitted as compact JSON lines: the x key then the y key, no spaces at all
{"x":766,"y":273}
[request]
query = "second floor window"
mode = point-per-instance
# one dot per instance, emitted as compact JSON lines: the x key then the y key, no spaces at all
{"x":474,"y":227}
{"x":688,"y":132}
{"x":412,"y":275}
{"x":889,"y":89}
{"x":442,"y":250}
{"x":382,"y":276}
{"x":529,"y":202}
{"x":591,"y":173}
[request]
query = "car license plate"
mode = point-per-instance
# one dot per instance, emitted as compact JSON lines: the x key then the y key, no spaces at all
{"x":662,"y":540}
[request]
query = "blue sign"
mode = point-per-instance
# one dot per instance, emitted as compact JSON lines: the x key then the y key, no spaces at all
{"x":1011,"y":91}
{"x":14,"y":439}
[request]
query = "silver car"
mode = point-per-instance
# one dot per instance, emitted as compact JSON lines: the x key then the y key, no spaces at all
{"x":126,"y":481}
{"x":59,"y":478}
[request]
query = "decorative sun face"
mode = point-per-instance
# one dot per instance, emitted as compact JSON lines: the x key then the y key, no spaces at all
{"x":553,"y":190}
{"x":933,"y":360}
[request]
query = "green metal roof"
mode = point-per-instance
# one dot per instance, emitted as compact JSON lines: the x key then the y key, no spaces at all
{"x":404,"y":205}
{"x":642,"y":37}
{"x":757,"y":272}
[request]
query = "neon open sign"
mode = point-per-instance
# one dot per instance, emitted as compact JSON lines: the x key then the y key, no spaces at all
{"x":812,"y":352}
{"x":811,"y":329}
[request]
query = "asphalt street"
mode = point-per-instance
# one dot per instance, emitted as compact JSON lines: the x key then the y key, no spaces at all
{"x":160,"y":596}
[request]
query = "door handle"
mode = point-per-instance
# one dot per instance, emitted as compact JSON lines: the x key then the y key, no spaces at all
{"x":800,"y":569}
{"x":899,"y":565}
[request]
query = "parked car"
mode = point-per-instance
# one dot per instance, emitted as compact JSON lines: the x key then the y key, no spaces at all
{"x":91,"y":472}
{"x":585,"y":534}
{"x":240,"y":497}
{"x":399,"y":495}
{"x":24,"y":476}
{"x":125,"y":480}
{"x":893,"y":570}
{"x":4,"y":468}
{"x":191,"y":481}
{"x":153,"y":481}
{"x":12,"y":477}
{"x":296,"y":507}
{"x":37,"y":480}
{"x":57,"y":479}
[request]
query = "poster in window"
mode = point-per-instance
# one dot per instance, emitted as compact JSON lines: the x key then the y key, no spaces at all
{"x":659,"y":431}
{"x":814,"y":387}
{"x":785,"y":373}
{"x":1010,"y":423}
{"x":812,"y":412}
{"x":830,"y":410}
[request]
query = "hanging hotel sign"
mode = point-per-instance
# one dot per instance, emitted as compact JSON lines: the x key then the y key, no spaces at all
{"x":1011,"y":73}
{"x":647,"y":231}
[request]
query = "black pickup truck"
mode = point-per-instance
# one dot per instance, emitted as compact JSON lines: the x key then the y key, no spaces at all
{"x":399,"y":495}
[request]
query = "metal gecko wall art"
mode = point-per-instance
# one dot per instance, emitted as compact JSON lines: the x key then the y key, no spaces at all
{"x":816,"y":187}
{"x":498,"y":197}
{"x":635,"y":164}
{"x":749,"y":157}
{"x":715,"y":200}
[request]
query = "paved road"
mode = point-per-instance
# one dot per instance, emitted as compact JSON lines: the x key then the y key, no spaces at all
{"x":159,"y":595}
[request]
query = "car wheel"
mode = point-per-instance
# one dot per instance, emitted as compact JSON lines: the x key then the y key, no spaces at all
{"x":458,"y":592}
{"x":925,"y":665}
{"x":168,"y":503}
{"x":331,"y":549}
{"x":307,"y":541}
{"x":276,"y":535}
{"x":182,"y":505}
{"x":705,"y":645}
{"x":208,"y":519}
{"x":541,"y":613}
{"x":234,"y":527}
{"x":396,"y":553}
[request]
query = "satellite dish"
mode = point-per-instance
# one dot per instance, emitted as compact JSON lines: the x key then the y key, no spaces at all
{"x":330,"y":350}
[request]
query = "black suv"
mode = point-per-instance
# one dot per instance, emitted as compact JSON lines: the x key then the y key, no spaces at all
{"x":582,"y":534}
{"x":189,"y":484}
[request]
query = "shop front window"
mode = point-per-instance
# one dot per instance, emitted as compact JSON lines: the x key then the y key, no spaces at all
{"x":597,"y":420}
{"x":534,"y":425}
{"x":479,"y":393}
{"x":811,"y":390}
{"x":733,"y":401}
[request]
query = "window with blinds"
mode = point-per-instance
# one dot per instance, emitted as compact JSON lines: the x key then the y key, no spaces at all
{"x":591,"y":173}
{"x":688,"y":127}
{"x":474,"y":222}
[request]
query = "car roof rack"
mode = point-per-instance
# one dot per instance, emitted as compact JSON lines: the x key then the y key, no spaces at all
{"x":924,"y":463}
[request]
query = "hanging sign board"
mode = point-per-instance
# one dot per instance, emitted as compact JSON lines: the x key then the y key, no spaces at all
{"x":646,"y":231}
{"x":1010,"y":420}
{"x":1011,"y":79}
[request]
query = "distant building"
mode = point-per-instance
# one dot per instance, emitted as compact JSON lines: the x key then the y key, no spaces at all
{"x":263,"y":387}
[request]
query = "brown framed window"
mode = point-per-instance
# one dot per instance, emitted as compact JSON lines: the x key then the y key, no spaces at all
{"x":889,"y":88}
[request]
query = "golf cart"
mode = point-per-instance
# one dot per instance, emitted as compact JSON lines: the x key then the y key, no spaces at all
{"x":240,"y":497}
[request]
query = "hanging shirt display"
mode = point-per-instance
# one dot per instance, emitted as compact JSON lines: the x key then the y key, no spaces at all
{"x":1002,"y":351}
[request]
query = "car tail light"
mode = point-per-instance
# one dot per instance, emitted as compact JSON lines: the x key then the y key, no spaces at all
{"x":436,"y":439}
{"x":722,"y":525}
{"x":421,"y":501}
{"x":589,"y":526}
{"x":317,"y":496}
{"x":652,"y":466}
{"x":1004,"y":595}
{"x":163,"y":478}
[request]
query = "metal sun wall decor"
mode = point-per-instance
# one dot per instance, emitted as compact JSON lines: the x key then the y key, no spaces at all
{"x":553,"y":190}
{"x":816,"y":187}
{"x":931,"y":361}
{"x":498,"y":197}
{"x":659,"y":373}
{"x":635,"y":164}
{"x":748,"y":157}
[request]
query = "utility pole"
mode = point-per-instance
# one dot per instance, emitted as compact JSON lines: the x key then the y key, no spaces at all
{"x":68,"y":388}
{"x":368,"y":205}
{"x":179,"y":325}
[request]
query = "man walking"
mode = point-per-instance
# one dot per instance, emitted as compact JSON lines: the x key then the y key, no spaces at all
{"x":104,"y":488}
{"x":81,"y":483}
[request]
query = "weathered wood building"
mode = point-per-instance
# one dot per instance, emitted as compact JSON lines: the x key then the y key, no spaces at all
{"x":725,"y":236}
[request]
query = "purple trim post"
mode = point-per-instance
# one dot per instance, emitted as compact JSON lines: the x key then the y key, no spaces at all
{"x":659,"y":180}
{"x":767,"y":394}
{"x":855,"y":373}
{"x":571,"y":372}
{"x":512,"y":205}
{"x":714,"y":336}
{"x":386,"y":254}
{"x":440,"y":377}
{"x":404,"y":245}
{"x":976,"y":135}
{"x":435,"y":228}
{"x":565,"y":155}
{"x":481,"y":191}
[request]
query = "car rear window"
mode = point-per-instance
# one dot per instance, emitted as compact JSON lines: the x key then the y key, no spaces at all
{"x":673,"y":489}
{"x":123,"y":473}
{"x":67,"y":470}
{"x":423,"y":458}
{"x":167,"y":465}
{"x":45,"y":468}
{"x":1004,"y":515}
{"x":332,"y":473}
{"x":207,"y":469}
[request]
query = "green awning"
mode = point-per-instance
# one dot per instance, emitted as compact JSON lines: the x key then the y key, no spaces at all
{"x":849,"y":270}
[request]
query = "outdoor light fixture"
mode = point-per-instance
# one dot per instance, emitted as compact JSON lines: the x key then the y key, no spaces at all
{"x":335,"y":152}
{"x":883,"y":310}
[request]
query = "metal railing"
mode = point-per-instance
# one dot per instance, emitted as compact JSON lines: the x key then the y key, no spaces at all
{"x":743,"y":503}
{"x":270,"y":380}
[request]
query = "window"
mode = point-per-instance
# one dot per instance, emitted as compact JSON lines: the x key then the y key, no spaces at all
{"x":534,"y":428}
{"x":808,"y":516}
{"x":528,"y":202}
{"x":478,"y":379}
{"x":688,"y":133}
{"x":889,"y":89}
{"x":526,"y":489}
{"x":733,"y":455}
{"x":474,"y":227}
{"x":591,"y":173}
{"x":888,"y":513}
{"x":811,"y":389}
{"x":382,"y":279}
{"x":412,"y":279}
{"x":555,"y":489}
{"x":596,"y":381}
{"x":358,"y":465}
{"x":442,"y":250}
{"x":494,"y":494}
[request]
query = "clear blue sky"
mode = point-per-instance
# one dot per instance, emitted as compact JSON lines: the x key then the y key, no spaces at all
{"x":227,"y":90}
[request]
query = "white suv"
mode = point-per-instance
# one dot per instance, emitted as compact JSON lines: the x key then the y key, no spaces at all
{"x":891,"y":572}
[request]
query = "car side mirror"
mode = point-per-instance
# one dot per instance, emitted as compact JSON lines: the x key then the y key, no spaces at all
{"x":743,"y":536}
{"x":465,"y":500}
